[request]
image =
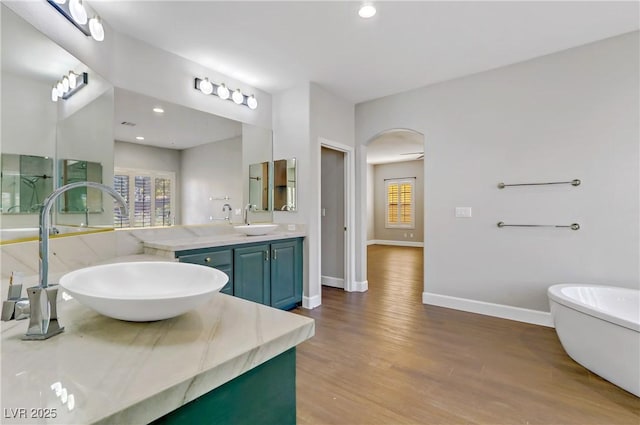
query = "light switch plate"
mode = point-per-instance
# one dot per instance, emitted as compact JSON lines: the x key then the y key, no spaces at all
{"x":463,"y":212}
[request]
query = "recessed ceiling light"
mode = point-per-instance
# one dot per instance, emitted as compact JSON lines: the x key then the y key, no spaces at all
{"x":139,"y":138}
{"x":367,"y":11}
{"x":158,"y":110}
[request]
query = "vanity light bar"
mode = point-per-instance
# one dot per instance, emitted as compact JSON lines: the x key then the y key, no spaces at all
{"x":76,"y":13}
{"x":208,"y":87}
{"x":65,"y":89}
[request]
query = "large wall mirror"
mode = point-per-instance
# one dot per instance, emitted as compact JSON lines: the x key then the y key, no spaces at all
{"x":284,"y":184}
{"x":80,"y":199}
{"x":36,"y":131}
{"x":26,"y":181}
{"x":177,"y":166}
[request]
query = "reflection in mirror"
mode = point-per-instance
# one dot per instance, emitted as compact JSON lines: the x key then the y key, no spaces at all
{"x":81,"y":199}
{"x":26,"y":181}
{"x":284,"y":185}
{"x":259,"y":186}
{"x":32,"y":124}
{"x":190,"y":167}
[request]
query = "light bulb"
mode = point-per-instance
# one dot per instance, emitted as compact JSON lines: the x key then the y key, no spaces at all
{"x":54,"y":94}
{"x":73,"y":80}
{"x":59,"y":89}
{"x":367,"y":11}
{"x":222,"y":91}
{"x":252,"y":102}
{"x":65,"y":84}
{"x":96,"y":29}
{"x":237,"y":96}
{"x":205,"y":86}
{"x":78,"y":13}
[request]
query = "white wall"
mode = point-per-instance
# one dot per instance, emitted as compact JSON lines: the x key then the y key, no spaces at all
{"x":370,"y":211}
{"x":569,"y":115}
{"x":87,"y":135}
{"x":301,"y":116}
{"x":141,"y":157}
{"x":23,"y":101}
{"x":393,"y":171}
{"x":213,"y":171}
{"x":21,"y":134}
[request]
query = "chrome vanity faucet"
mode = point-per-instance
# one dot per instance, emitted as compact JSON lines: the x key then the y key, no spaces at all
{"x":247,"y":208}
{"x":227,"y":208}
{"x":43,"y":320}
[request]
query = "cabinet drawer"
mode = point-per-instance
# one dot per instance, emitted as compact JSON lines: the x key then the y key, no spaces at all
{"x":213,"y":259}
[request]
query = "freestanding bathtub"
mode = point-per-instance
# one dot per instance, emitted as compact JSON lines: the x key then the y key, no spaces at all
{"x":599,"y":327}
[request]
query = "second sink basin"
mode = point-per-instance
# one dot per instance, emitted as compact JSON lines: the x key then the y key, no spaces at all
{"x":256,"y":229}
{"x":144,"y":291}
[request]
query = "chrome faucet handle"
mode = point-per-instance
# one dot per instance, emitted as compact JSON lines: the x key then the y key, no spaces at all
{"x":43,"y":319}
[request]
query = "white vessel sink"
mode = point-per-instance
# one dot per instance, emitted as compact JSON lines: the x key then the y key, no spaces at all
{"x":144,"y":291}
{"x":256,"y":229}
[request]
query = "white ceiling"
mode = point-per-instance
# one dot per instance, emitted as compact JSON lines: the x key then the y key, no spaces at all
{"x":178,"y":127}
{"x":395,"y":146}
{"x":277,"y":45}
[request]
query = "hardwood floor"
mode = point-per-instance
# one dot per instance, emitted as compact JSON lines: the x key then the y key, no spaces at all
{"x":382,"y":357}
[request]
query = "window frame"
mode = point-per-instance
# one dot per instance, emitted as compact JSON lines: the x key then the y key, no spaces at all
{"x":132,"y":173}
{"x":398,"y":224}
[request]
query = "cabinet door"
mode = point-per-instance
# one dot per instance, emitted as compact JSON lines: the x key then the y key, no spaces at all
{"x":219,"y":259}
{"x":251,"y":268}
{"x":286,"y":274}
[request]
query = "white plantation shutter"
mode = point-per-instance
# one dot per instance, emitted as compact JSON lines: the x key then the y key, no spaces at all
{"x":149,"y":197}
{"x":400,"y":210}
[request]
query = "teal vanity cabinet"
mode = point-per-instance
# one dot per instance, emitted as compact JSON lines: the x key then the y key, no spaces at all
{"x":251,"y":271}
{"x":219,"y":258}
{"x":286,"y":273}
{"x":268,"y":273}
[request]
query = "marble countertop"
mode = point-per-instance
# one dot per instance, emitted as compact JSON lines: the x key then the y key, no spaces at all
{"x":125,"y":372}
{"x":210,"y":241}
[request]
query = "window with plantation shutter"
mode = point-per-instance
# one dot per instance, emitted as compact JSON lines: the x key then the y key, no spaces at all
{"x":400,"y":211}
{"x":149,"y":197}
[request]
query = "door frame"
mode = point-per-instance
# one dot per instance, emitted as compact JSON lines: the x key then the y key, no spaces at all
{"x":349,"y":211}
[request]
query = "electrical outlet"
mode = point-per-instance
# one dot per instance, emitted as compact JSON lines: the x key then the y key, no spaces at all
{"x":410,"y":235}
{"x":291,"y":227}
{"x":238,"y":211}
{"x":405,"y":234}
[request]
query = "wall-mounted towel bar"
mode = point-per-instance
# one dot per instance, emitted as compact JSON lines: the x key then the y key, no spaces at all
{"x":574,"y":226}
{"x":574,"y":182}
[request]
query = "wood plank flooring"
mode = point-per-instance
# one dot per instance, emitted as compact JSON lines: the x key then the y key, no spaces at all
{"x":382,"y":357}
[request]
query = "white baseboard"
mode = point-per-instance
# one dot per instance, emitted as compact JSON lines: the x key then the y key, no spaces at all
{"x":335,"y":282}
{"x":395,"y":243}
{"x":311,"y":302}
{"x":535,"y":317}
{"x":360,"y":286}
